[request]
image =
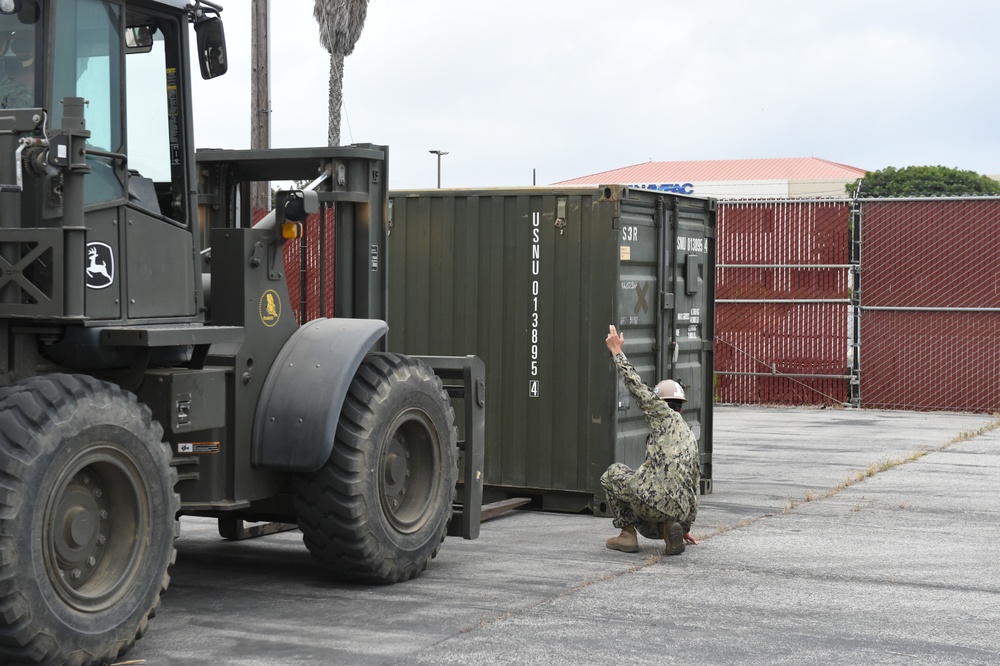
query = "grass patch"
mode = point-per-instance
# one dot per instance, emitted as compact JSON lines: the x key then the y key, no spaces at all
{"x":886,"y":464}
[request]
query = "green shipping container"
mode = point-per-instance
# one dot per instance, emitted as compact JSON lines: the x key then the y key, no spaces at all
{"x":529,"y":280}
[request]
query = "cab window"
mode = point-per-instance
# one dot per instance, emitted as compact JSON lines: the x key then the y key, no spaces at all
{"x":20,"y":48}
{"x":154,"y":114}
{"x":87,"y":64}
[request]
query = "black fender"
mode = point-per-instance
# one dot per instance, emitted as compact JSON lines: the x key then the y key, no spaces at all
{"x":299,"y":406}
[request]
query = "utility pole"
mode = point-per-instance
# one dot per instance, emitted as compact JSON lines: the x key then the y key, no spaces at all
{"x":260,"y":95}
{"x":439,"y":153}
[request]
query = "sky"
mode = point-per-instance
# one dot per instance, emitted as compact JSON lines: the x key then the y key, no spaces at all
{"x":523,"y":91}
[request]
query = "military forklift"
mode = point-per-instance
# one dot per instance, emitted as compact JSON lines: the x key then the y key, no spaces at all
{"x":154,"y":361}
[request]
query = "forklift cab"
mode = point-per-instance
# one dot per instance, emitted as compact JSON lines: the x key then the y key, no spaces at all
{"x":128,"y":62}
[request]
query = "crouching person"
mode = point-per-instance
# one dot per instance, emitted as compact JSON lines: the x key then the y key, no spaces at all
{"x":660,"y":499}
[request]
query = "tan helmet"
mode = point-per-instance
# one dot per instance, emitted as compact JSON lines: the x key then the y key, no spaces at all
{"x":668,"y":389}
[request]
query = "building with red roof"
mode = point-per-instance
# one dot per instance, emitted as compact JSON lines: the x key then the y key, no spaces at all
{"x":776,"y":178}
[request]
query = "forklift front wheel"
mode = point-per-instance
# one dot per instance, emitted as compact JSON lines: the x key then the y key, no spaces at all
{"x":88,"y":519}
{"x":378,"y":510}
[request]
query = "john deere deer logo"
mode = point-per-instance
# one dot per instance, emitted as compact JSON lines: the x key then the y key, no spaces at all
{"x":270,"y":307}
{"x":100,"y":265}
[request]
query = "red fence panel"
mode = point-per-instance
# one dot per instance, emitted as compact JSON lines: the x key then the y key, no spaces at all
{"x":782,"y":302}
{"x":309,"y":266}
{"x":930,"y":304}
{"x":309,"y":262}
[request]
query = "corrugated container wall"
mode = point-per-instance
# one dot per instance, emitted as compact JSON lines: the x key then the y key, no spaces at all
{"x":529,"y":280}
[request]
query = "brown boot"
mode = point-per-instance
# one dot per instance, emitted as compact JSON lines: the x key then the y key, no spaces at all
{"x":625,"y":542}
{"x":673,"y":536}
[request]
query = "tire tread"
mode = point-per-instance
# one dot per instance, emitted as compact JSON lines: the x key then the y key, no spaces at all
{"x":334,"y":513}
{"x":27,"y":409}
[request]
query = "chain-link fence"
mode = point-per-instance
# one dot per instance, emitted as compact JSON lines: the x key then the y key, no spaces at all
{"x":309,"y":265}
{"x":929,"y":302}
{"x":880,"y":303}
{"x":309,"y":262}
{"x":895,"y":305}
{"x":782,"y":302}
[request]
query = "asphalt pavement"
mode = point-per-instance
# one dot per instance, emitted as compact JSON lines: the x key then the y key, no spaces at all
{"x":831,"y":537}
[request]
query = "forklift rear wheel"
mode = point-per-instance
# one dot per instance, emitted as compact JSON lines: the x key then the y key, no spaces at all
{"x":87,"y":519}
{"x":378,"y":510}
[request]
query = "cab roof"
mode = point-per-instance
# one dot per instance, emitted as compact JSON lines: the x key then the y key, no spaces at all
{"x":180,"y":4}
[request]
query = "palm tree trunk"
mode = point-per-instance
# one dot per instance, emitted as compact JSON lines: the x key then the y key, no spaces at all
{"x":336,"y":97}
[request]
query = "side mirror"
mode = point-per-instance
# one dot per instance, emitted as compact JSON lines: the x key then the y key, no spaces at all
{"x":139,"y":39}
{"x":211,"y":47}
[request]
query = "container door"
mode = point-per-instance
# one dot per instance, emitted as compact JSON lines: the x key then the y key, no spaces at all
{"x":687,"y":356}
{"x":638,"y":313}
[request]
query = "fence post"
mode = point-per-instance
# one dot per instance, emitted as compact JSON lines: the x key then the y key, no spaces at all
{"x":854,"y":385}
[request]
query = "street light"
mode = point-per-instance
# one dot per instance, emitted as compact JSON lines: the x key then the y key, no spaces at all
{"x":439,"y":153}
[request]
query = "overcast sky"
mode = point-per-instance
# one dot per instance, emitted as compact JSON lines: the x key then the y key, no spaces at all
{"x":573,"y":87}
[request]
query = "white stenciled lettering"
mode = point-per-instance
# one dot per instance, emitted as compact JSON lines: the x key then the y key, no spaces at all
{"x":685,"y":244}
{"x":534,"y":388}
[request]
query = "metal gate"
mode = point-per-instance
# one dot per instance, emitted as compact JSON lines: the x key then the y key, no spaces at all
{"x":783,"y":302}
{"x":929,"y":304}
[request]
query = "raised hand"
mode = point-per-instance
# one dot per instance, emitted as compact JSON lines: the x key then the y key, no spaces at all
{"x":615,"y":340}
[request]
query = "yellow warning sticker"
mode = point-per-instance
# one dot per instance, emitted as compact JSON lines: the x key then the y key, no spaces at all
{"x":270,"y":307}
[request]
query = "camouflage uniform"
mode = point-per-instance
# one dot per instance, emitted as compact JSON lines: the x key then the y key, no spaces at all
{"x":665,"y":487}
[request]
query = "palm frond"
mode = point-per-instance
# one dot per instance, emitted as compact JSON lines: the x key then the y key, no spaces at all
{"x":340,"y":23}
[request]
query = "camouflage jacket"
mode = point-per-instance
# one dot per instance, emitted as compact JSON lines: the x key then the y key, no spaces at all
{"x":668,"y":479}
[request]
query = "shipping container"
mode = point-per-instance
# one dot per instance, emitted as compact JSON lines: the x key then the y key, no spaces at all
{"x":529,"y":280}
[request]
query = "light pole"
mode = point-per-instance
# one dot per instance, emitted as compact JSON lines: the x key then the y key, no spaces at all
{"x":439,"y":153}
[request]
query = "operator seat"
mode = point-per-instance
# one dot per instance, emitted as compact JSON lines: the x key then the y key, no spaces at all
{"x":142,"y":192}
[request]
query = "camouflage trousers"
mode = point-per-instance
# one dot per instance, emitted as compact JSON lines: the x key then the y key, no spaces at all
{"x":627,"y":509}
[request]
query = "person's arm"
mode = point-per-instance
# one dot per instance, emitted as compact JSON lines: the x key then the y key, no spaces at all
{"x":648,"y":401}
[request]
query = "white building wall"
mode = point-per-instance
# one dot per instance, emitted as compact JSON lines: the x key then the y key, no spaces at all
{"x":760,"y":189}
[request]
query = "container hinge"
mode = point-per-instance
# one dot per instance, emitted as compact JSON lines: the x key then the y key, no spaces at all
{"x":667,"y":299}
{"x":614,"y":222}
{"x":708,"y":345}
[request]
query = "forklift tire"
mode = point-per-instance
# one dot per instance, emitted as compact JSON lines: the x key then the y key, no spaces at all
{"x":378,"y":510}
{"x":87,"y":515}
